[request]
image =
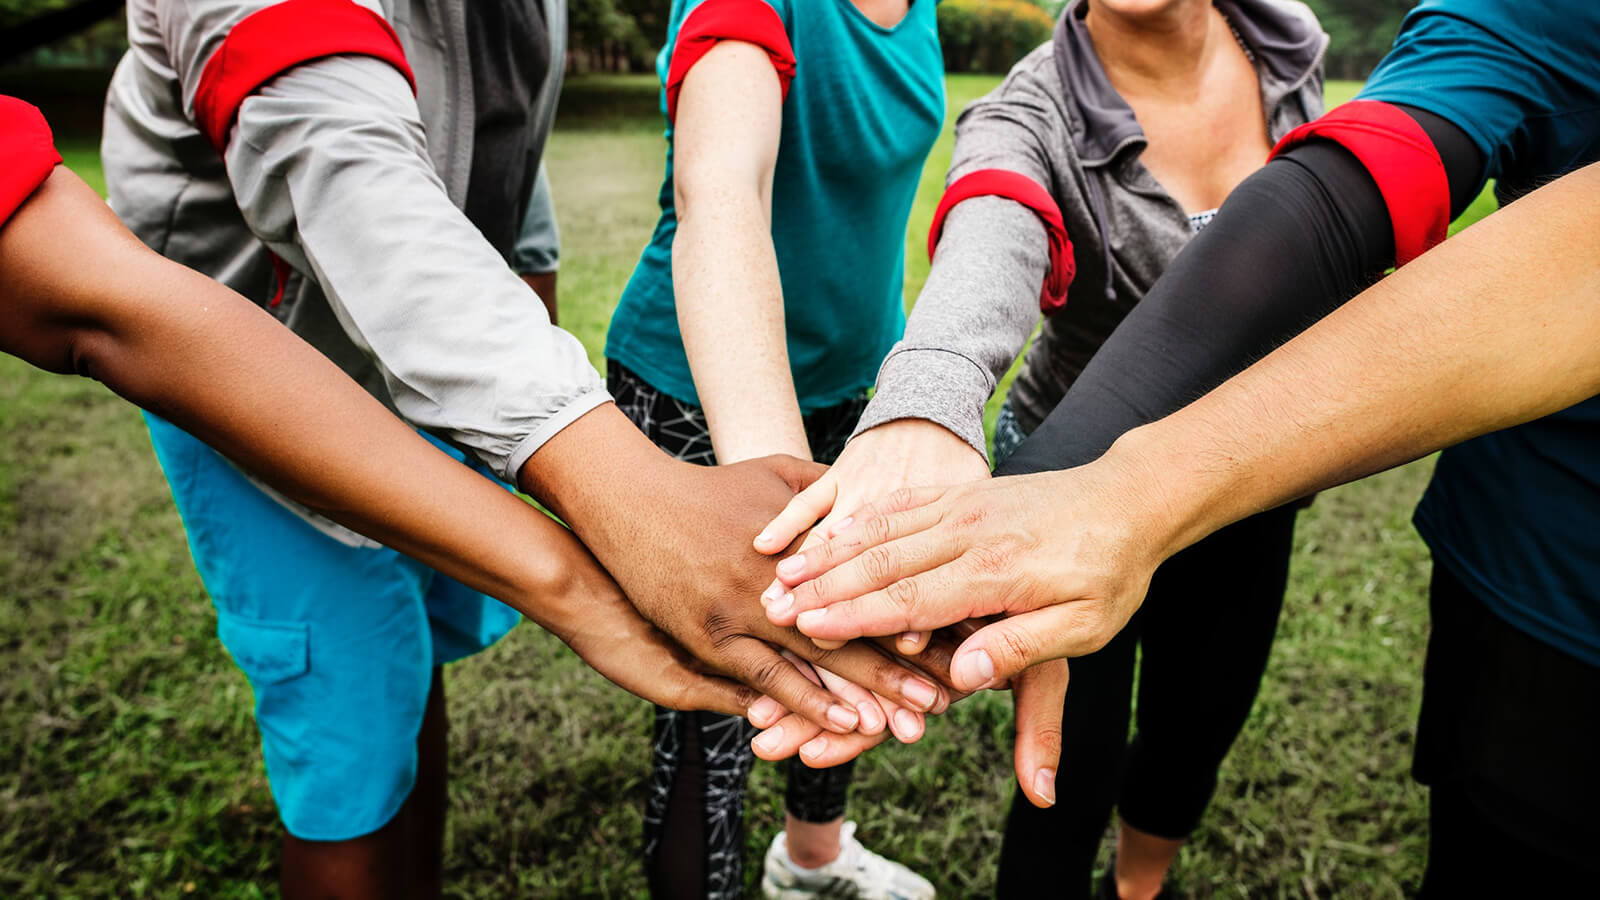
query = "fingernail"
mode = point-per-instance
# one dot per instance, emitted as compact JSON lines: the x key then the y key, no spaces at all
{"x":814,"y":748}
{"x":773,"y":592}
{"x":763,"y":538}
{"x":919,"y":694}
{"x":974,"y":670}
{"x":811,"y":618}
{"x":768,"y":741}
{"x":782,"y":605}
{"x":763,"y":712}
{"x":908,"y":641}
{"x":792,"y":566}
{"x":843,"y":718}
{"x":871,"y":718}
{"x":1044,"y":784}
{"x":841,"y":525}
{"x":907,"y":725}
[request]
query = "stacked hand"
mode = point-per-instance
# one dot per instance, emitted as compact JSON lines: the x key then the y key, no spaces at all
{"x":891,"y":460}
{"x":682,"y":556}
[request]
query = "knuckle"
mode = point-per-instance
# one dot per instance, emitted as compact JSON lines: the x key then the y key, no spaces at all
{"x":878,"y":564}
{"x":1016,"y":646}
{"x":904,"y":594}
{"x":876,"y":529}
{"x":969,"y":518}
{"x":993,"y":560}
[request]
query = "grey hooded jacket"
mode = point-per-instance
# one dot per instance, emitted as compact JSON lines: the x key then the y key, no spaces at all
{"x":1057,"y":120}
{"x":338,"y":169}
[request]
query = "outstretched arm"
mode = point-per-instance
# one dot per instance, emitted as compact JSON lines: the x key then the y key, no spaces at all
{"x":80,"y":294}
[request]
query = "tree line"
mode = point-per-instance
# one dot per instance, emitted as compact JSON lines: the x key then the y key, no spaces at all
{"x":624,"y":35}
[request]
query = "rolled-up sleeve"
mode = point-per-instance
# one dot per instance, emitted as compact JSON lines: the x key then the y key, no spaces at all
{"x":329,"y":166}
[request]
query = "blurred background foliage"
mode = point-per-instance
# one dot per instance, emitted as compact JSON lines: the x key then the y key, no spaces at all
{"x":624,"y":35}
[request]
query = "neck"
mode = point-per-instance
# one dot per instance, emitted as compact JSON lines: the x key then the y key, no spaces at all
{"x":1160,"y":52}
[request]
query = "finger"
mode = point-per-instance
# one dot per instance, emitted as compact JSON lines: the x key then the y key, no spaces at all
{"x":765,"y":712}
{"x":802,"y":512}
{"x":712,"y":694}
{"x":804,"y":668}
{"x":906,"y":726}
{"x":1039,"y":695}
{"x":934,"y":661}
{"x":1005,"y":648}
{"x":874,"y":718}
{"x":939,"y":596}
{"x":864,"y":665}
{"x":798,"y":473}
{"x":828,"y":645}
{"x":761,"y":667}
{"x":868,"y":527}
{"x":827,"y":750}
{"x":911,"y":642}
{"x":784,"y":738}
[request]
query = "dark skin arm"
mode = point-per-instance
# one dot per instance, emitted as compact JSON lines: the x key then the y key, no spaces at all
{"x":192,"y":351}
{"x":543,"y":284}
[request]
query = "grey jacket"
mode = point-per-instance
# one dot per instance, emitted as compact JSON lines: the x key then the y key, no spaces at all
{"x":1057,"y":120}
{"x":338,"y":169}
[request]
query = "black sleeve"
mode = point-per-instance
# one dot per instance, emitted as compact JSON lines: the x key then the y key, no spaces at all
{"x":1292,"y":243}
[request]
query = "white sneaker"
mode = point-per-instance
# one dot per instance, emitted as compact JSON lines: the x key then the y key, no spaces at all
{"x":858,"y":874}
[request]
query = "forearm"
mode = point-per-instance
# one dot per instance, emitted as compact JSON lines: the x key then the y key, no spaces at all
{"x":724,"y":267}
{"x":329,"y":167}
{"x":1494,"y":327}
{"x":191,"y":351}
{"x":971,"y":320}
{"x":730,"y":310}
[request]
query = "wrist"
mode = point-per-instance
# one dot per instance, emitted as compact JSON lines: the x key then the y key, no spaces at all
{"x":593,"y":466}
{"x":1165,"y":501}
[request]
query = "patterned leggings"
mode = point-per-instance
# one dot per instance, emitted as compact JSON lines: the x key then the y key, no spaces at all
{"x":694,"y":817}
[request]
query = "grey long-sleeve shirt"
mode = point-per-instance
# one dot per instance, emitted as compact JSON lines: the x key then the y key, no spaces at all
{"x":1057,"y":120}
{"x":335,"y":167}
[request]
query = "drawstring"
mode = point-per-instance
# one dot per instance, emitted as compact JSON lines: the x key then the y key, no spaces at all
{"x":1097,"y":205}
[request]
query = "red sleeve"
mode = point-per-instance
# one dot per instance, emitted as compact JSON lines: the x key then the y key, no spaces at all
{"x":273,"y":40}
{"x":1401,"y":159}
{"x":1024,"y":190}
{"x":714,"y":21}
{"x":27,"y":154}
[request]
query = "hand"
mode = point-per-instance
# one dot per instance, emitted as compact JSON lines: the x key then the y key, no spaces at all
{"x":901,"y":454}
{"x":1065,"y":556}
{"x":588,"y":612}
{"x":674,"y":535}
{"x":1038,"y":694}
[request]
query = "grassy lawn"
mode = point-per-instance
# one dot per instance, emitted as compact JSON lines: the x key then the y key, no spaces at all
{"x":129,"y":766}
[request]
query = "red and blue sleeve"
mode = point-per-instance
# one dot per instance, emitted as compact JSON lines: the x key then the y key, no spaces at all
{"x":714,"y":21}
{"x":27,"y":154}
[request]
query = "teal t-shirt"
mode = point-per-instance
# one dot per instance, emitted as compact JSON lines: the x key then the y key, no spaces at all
{"x":863,"y":110}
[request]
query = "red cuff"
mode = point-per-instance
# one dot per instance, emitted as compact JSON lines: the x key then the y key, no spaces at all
{"x":1401,"y":159}
{"x":27,"y":154}
{"x":277,"y":38}
{"x":714,"y":21}
{"x":1024,"y":190}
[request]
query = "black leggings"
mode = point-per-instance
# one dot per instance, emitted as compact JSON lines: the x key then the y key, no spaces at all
{"x":1224,"y":592}
{"x":694,"y":815}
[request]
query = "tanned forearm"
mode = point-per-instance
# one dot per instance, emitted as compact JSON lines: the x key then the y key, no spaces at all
{"x":725,"y":270}
{"x":1497,"y":326}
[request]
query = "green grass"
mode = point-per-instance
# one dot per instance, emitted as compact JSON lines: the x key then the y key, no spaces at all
{"x":129,"y":766}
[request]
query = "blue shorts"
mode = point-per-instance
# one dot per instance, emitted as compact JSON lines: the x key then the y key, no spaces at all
{"x":339,"y":642}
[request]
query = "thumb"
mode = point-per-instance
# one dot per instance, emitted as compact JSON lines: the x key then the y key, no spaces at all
{"x":1039,"y":694}
{"x":801,"y":513}
{"x":799,"y":473}
{"x":1005,"y":648}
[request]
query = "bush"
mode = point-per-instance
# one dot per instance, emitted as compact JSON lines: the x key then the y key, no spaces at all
{"x":990,"y":35}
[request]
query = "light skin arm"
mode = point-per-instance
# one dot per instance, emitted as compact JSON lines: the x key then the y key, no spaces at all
{"x":194,"y":352}
{"x":724,"y":267}
{"x":1494,"y":327}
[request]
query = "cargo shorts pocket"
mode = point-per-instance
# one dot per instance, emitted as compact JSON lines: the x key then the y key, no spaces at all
{"x":268,"y":652}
